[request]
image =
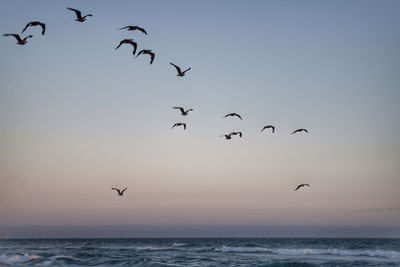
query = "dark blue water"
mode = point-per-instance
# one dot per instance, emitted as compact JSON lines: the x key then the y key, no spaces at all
{"x":201,"y":252}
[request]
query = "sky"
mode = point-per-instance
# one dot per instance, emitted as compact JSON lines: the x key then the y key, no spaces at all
{"x":78,"y":117}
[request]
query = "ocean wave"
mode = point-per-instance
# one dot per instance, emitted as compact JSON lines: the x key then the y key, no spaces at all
{"x":311,"y":251}
{"x":150,"y":248}
{"x":176,"y":244}
{"x":65,"y":257}
{"x":242,"y":249}
{"x":14,"y":259}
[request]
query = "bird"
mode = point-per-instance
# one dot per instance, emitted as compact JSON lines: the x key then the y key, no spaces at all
{"x":128,"y":41}
{"x":301,"y":185}
{"x":180,"y":73}
{"x":120,"y":193}
{"x":237,"y":133}
{"x":79,"y":15}
{"x":133,"y":28}
{"x":268,"y":126}
{"x":183,"y":112}
{"x":232,"y":114}
{"x":20,"y":41}
{"x":35,"y":23}
{"x":179,"y":124}
{"x":300,"y":130}
{"x":149,"y":52}
{"x":227,"y":136}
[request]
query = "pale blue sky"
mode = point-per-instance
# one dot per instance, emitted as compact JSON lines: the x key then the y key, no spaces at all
{"x":78,"y":116}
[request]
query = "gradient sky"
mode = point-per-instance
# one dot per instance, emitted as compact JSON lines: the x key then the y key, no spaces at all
{"x":78,"y":117}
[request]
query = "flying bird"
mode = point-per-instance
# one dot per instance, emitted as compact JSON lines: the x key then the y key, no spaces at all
{"x":149,"y":52}
{"x":183,"y":112}
{"x":227,"y":136}
{"x":178,"y":69}
{"x":79,"y":15}
{"x":134,"y":28}
{"x":179,"y":124}
{"x":300,"y":130}
{"x":236,"y":133}
{"x":120,"y":193}
{"x":301,"y":185}
{"x":268,"y":126}
{"x":128,"y":41}
{"x":232,"y":114}
{"x":19,"y":40}
{"x":35,"y":23}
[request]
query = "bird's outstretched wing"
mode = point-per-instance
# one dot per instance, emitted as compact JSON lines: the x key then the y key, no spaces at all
{"x":77,"y":12}
{"x":186,"y":70}
{"x":237,"y":115}
{"x":15,"y":35}
{"x":178,"y":69}
{"x":124,"y":190}
{"x":141,"y":52}
{"x":181,"y":109}
{"x":120,"y":43}
{"x":126,"y":27}
{"x":43,"y":27}
{"x":134,"y":47}
{"x":297,"y":187}
{"x":26,"y":27}
{"x":184,"y":126}
{"x":142,"y":30}
{"x":152,"y":55}
{"x":119,"y":192}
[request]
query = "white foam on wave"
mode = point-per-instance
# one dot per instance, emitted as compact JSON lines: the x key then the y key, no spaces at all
{"x":13,"y":259}
{"x":150,"y":248}
{"x":242,"y":249}
{"x":176,"y":244}
{"x":311,"y":251}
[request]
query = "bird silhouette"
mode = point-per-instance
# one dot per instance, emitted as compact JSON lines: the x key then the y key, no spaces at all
{"x":19,"y":40}
{"x":79,"y":15}
{"x":183,"y":112}
{"x":149,"y":52}
{"x":232,"y":114}
{"x":300,"y":130}
{"x":268,"y":126}
{"x":179,"y":124}
{"x":237,"y":133}
{"x":301,"y":185}
{"x":128,"y":41}
{"x":178,"y":69}
{"x":120,"y":193}
{"x":134,"y":28}
{"x":35,"y":23}
{"x":227,"y":136}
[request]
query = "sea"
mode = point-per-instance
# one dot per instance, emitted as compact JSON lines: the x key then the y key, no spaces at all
{"x":200,"y":252}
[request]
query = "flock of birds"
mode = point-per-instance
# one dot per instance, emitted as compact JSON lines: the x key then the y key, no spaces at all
{"x":183,"y":112}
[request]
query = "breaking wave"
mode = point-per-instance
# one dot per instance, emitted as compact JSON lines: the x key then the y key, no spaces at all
{"x":311,"y":251}
{"x":17,"y":258}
